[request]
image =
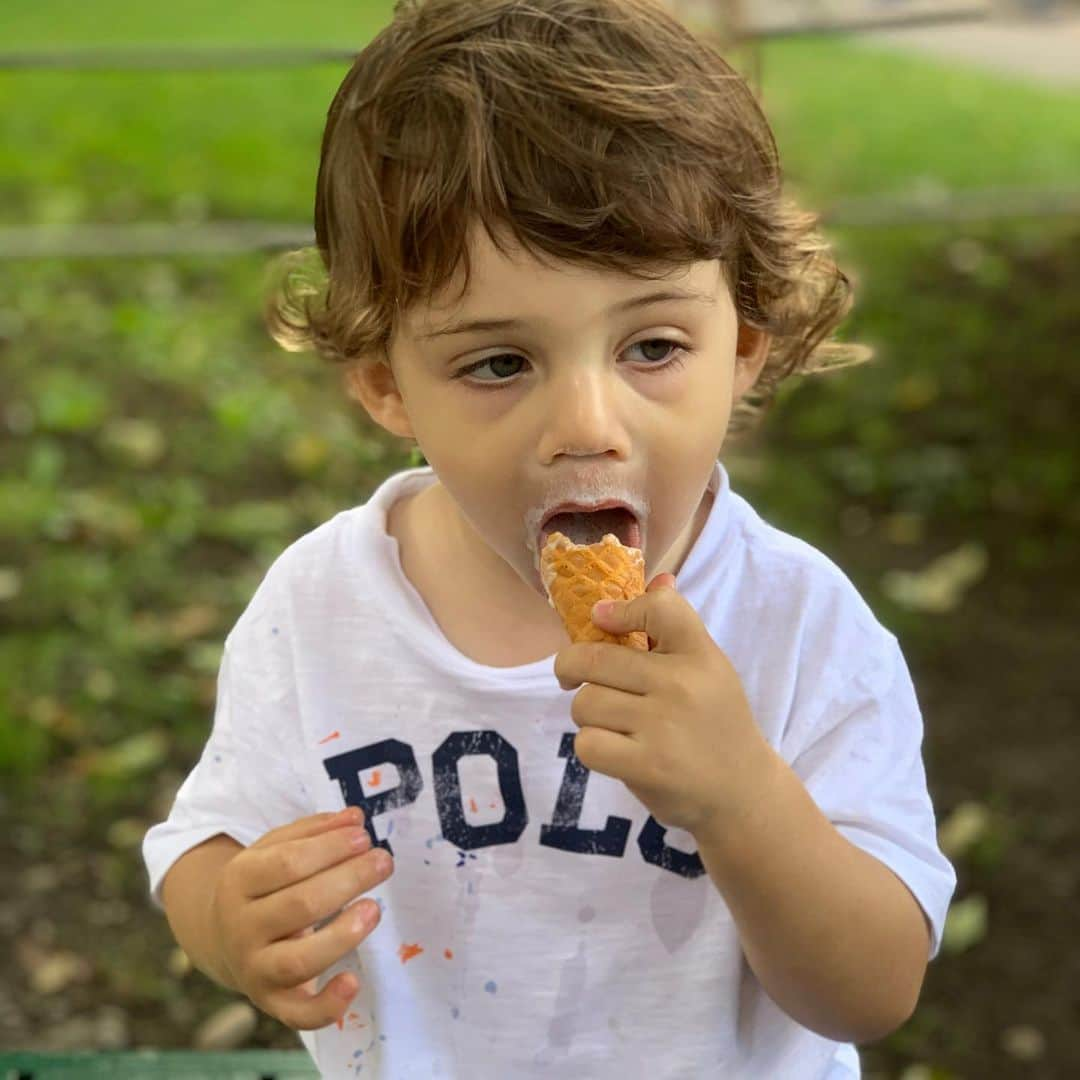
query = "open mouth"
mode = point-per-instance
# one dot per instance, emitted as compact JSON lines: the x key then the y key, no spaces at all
{"x":590,"y":527}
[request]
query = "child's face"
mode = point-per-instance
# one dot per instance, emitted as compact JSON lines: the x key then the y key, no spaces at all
{"x":583,"y":398}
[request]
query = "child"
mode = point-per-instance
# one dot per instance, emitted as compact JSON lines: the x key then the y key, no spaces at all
{"x":558,"y":259}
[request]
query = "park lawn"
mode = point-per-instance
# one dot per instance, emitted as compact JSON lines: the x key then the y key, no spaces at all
{"x":855,"y":119}
{"x":187,"y":145}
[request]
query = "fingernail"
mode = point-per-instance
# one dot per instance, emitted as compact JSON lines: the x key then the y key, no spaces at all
{"x":363,"y":918}
{"x":346,"y":988}
{"x":603,"y":607}
{"x":350,"y":813}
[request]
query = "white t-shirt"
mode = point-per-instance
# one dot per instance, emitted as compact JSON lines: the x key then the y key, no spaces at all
{"x":539,"y":922}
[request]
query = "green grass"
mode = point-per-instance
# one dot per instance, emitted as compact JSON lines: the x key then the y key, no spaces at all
{"x":94,"y":146}
{"x":853,"y":119}
{"x":74,"y":24}
{"x":123,"y":146}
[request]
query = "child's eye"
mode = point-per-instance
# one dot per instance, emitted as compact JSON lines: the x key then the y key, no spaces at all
{"x":654,"y":351}
{"x":665,"y":348}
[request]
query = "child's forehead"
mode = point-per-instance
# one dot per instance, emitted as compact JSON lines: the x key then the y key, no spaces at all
{"x":506,"y":277}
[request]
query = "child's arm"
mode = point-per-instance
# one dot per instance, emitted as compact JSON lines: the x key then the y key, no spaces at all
{"x":834,"y":937}
{"x":185,"y":892}
{"x":832,"y":934}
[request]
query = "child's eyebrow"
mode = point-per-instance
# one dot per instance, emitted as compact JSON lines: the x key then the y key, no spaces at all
{"x":473,"y":325}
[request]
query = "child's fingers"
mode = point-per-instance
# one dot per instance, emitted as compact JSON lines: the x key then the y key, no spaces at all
{"x":295,"y":857}
{"x":310,"y":826}
{"x":308,"y":1013}
{"x":292,"y":963}
{"x":318,"y":898}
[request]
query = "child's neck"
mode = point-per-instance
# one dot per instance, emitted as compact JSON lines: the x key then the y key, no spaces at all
{"x":482,"y":607}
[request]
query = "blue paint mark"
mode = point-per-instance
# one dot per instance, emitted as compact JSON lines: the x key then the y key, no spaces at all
{"x":357,"y":1053}
{"x":390,"y":827}
{"x":382,"y":1038}
{"x":455,"y":1012}
{"x":217,"y":757}
{"x":490,"y":986}
{"x":274,"y":631}
{"x":462,"y":856}
{"x":470,"y":888}
{"x":427,"y":862}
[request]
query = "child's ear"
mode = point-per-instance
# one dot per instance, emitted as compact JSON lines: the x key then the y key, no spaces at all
{"x":374,"y":386}
{"x":751,"y":352}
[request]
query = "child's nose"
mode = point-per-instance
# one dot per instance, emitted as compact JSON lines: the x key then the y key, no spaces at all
{"x":585,"y":416}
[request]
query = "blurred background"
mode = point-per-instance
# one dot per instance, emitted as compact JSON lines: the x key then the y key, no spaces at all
{"x":158,"y":451}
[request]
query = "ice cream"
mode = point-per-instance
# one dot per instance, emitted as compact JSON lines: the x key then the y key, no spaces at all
{"x":576,"y":576}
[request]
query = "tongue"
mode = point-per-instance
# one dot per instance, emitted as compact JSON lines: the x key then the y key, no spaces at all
{"x":590,"y":528}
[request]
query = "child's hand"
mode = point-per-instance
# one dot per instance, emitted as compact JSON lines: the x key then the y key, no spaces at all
{"x":673,"y":723}
{"x":267,"y":900}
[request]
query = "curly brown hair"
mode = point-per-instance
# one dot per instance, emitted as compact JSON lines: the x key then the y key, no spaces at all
{"x":598,"y":131}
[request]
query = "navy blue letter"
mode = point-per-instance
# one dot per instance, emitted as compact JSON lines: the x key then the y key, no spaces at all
{"x":346,"y":769}
{"x":563,"y":832}
{"x":654,"y":850}
{"x":448,"y":790}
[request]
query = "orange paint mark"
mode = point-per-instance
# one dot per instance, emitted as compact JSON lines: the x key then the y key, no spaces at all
{"x":332,"y":735}
{"x":340,"y":1024}
{"x":448,"y":953}
{"x":472,"y":805}
{"x":354,"y":1016}
{"x":375,"y":777}
{"x":491,"y":805}
{"x":407,"y":952}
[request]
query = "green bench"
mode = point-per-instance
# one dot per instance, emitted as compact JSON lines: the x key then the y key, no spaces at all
{"x":158,"y":1064}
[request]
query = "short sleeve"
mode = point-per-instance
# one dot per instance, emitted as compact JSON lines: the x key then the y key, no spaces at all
{"x":243,"y":784}
{"x":861,"y":761}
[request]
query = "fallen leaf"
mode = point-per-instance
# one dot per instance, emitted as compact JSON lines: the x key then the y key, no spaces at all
{"x":231,"y":1026}
{"x":52,"y":971}
{"x":193,"y":621}
{"x":965,"y":826}
{"x":965,"y":924}
{"x":179,"y":963}
{"x":126,"y":833}
{"x":134,"y":441}
{"x":1024,"y":1042}
{"x":137,"y":753}
{"x":940,"y":587}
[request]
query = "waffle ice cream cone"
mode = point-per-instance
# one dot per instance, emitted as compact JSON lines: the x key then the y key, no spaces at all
{"x":576,"y":576}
